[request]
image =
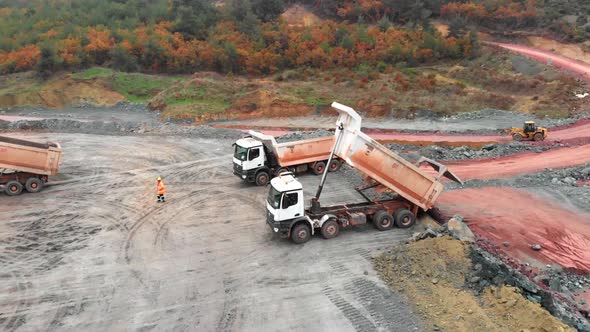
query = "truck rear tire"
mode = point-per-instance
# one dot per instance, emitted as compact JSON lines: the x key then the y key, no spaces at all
{"x":262,"y":178}
{"x":318,"y":168}
{"x":300,"y":234}
{"x":34,"y":185}
{"x":13,"y":188}
{"x":538,"y":137}
{"x":382,"y":220}
{"x":404,"y":218}
{"x":335,"y":165}
{"x":330,"y":229}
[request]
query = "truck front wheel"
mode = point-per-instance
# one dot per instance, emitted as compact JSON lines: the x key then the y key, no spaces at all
{"x":382,"y":220}
{"x":330,"y":229}
{"x":34,"y":185}
{"x":301,"y":233}
{"x":404,"y":218}
{"x":262,"y":178}
{"x":13,"y":188}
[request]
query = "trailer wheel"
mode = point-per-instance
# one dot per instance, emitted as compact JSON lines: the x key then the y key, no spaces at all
{"x":330,"y":229}
{"x":404,"y":218}
{"x":262,"y":178}
{"x":335,"y":165}
{"x":318,"y":168}
{"x":382,"y":220}
{"x":13,"y":188}
{"x":301,"y":233}
{"x":34,"y":185}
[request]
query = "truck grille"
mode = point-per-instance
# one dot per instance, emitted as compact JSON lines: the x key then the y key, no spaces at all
{"x":237,"y":168}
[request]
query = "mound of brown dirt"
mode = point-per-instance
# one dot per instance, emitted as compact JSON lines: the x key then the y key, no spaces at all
{"x":68,"y":91}
{"x":58,"y":92}
{"x":265,"y":102}
{"x":433,"y":272}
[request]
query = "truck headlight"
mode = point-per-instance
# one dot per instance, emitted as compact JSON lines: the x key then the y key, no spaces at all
{"x":244,"y":177}
{"x":275,"y":229}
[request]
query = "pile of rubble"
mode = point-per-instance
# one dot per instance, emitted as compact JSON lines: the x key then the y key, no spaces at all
{"x":553,"y":288}
{"x":301,"y":135}
{"x":455,"y":228}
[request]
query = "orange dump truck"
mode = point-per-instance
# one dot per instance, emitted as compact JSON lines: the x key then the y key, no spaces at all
{"x":258,"y":157}
{"x":26,"y":164}
{"x":412,"y":188}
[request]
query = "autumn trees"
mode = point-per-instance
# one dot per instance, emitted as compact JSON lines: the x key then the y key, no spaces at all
{"x":242,"y":36}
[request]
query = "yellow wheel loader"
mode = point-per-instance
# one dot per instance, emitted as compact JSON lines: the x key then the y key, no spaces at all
{"x":529,"y":132}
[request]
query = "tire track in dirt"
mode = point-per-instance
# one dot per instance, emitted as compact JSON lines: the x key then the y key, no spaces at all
{"x":354,"y":315}
{"x":14,"y":321}
{"x":387,"y":310}
{"x":229,"y":312}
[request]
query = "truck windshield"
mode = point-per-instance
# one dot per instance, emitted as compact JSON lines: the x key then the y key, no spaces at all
{"x":274,"y":197}
{"x":240,"y":153}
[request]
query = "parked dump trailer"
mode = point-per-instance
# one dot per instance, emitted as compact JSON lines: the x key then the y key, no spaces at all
{"x":258,"y":157}
{"x":412,"y":188}
{"x":26,"y":165}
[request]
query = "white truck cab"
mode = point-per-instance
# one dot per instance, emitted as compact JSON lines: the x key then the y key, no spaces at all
{"x":284,"y":204}
{"x":249,"y":157}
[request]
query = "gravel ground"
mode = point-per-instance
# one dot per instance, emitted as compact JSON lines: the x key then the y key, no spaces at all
{"x":96,"y":252}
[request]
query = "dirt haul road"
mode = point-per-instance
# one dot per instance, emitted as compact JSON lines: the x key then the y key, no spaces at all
{"x":559,"y":61}
{"x":522,"y":163}
{"x":501,"y":214}
{"x":98,"y":253}
{"x":574,"y":133}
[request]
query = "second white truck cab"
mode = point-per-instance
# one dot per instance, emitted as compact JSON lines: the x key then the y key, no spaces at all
{"x":249,"y":159}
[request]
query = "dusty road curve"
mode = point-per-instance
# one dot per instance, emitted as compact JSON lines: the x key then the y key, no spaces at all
{"x":559,"y":61}
{"x":98,"y":253}
{"x":522,"y":163}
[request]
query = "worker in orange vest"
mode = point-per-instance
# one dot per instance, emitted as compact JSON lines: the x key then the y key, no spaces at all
{"x":161,"y":190}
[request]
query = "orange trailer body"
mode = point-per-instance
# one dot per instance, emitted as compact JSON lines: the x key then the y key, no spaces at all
{"x":30,"y":157}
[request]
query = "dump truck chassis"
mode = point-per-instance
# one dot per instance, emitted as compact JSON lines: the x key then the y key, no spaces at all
{"x":346,"y":216}
{"x":28,"y":181}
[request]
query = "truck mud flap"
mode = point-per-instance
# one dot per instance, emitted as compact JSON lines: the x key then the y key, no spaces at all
{"x":443,"y":171}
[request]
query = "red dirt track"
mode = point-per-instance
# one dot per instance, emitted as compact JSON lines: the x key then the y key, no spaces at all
{"x":576,"y":131}
{"x":501,"y":214}
{"x":485,"y":169}
{"x":559,"y":61}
